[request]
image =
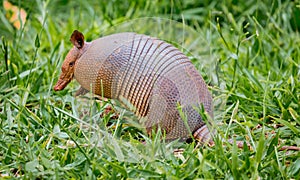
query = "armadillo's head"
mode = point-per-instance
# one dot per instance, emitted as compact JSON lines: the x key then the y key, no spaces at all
{"x":68,"y":66}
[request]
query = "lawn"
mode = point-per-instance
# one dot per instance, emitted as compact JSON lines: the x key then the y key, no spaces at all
{"x":248,"y":52}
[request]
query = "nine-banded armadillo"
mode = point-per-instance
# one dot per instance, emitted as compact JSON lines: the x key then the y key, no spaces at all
{"x":152,"y":75}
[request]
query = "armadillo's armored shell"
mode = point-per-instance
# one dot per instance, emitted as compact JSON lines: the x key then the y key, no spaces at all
{"x":154,"y":76}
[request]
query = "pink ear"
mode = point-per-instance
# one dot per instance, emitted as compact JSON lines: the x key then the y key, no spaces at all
{"x":77,"y":39}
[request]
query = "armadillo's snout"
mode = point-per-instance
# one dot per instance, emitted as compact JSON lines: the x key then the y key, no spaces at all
{"x":56,"y":88}
{"x":60,"y":85}
{"x":64,"y":79}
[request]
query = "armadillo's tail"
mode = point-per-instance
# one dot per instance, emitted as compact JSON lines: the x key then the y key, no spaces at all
{"x":203,"y":135}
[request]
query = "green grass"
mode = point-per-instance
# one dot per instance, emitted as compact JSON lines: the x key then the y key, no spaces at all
{"x":248,"y":52}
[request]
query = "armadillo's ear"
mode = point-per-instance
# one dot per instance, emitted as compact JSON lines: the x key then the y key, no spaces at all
{"x":77,"y":39}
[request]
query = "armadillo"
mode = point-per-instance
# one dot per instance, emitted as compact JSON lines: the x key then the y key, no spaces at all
{"x":155,"y":77}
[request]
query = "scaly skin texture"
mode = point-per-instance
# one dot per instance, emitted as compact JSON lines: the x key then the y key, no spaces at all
{"x":151,"y":75}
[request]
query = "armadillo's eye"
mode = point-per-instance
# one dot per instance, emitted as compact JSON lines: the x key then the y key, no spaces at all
{"x":71,"y":64}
